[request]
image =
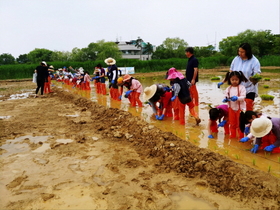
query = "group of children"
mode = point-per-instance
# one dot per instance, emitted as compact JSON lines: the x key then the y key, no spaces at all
{"x":171,"y":101}
{"x":238,"y":121}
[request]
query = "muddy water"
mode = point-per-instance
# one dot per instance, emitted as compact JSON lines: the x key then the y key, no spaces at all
{"x":198,"y":135}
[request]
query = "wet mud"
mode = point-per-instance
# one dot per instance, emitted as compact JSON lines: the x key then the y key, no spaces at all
{"x":65,"y":151}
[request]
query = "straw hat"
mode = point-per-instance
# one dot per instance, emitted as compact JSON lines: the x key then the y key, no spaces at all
{"x":173,"y":74}
{"x":110,"y":61}
{"x":149,"y":92}
{"x":126,"y":77}
{"x":51,"y":67}
{"x":44,"y":62}
{"x":261,"y":126}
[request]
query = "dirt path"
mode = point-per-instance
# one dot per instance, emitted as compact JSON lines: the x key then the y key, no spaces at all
{"x":67,"y":152}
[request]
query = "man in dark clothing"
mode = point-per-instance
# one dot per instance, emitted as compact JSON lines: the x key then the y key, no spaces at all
{"x":192,"y":74}
{"x":42,"y":77}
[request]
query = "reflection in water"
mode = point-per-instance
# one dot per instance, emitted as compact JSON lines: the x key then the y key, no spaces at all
{"x":209,"y":95}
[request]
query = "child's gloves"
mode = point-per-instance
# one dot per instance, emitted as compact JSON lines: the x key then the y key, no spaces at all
{"x":127,"y":93}
{"x":173,"y":98}
{"x":157,"y":117}
{"x":269,"y":148}
{"x":113,"y":81}
{"x":222,"y":124}
{"x":234,"y":98}
{"x":211,"y":136}
{"x":166,"y":89}
{"x":219,"y":84}
{"x":120,"y":97}
{"x":225,"y":100}
{"x":247,"y":130}
{"x":255,"y":148}
{"x":245,"y":139}
{"x":161,"y":117}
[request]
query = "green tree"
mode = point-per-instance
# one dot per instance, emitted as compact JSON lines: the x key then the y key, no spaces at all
{"x":148,"y":49}
{"x":61,"y":56}
{"x":107,"y":49}
{"x":22,"y":58}
{"x":38,"y":55}
{"x":6,"y":58}
{"x":79,"y":54}
{"x":205,"y":51}
{"x":261,"y":42}
{"x":138,"y":44}
{"x":276,"y":45}
{"x":171,"y":48}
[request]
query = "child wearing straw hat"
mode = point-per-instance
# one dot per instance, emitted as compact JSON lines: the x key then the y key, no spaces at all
{"x":159,"y":96}
{"x":267,"y":133}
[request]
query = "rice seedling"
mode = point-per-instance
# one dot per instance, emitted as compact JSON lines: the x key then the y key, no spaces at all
{"x":237,"y":156}
{"x":215,"y":78}
{"x":202,"y":133}
{"x":254,"y":162}
{"x":226,"y":152}
{"x":269,"y":168}
{"x":267,"y":97}
{"x":266,"y":154}
{"x":256,"y":78}
{"x":195,"y":141}
{"x":266,"y":86}
{"x":266,"y":79}
{"x":279,"y":159}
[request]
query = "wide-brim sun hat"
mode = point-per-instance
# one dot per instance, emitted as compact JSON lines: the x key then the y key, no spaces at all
{"x":44,"y":62}
{"x":51,"y":67}
{"x":173,"y":74}
{"x":261,"y":126}
{"x":149,"y":92}
{"x":110,"y":61}
{"x":126,"y":77}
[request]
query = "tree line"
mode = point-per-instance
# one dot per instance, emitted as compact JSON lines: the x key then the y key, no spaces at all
{"x":263,"y":43}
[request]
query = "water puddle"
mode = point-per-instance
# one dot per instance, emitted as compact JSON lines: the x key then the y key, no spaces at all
{"x":42,"y":149}
{"x":4,"y":117}
{"x":20,"y":96}
{"x":187,"y":201}
{"x":64,"y":141}
{"x":22,"y":145}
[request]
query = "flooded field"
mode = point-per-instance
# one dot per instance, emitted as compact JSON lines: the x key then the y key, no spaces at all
{"x":64,"y":151}
{"x":209,"y":95}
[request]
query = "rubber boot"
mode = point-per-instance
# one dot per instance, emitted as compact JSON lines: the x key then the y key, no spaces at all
{"x":226,"y":128}
{"x":193,"y":112}
{"x":249,"y":104}
{"x":175,"y":106}
{"x":214,"y":127}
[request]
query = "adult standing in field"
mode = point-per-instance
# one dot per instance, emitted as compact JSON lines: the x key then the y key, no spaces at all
{"x":192,"y":74}
{"x":42,"y":77}
{"x":246,"y":62}
{"x":113,"y":77}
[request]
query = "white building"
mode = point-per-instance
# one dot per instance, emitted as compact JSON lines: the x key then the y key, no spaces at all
{"x":130,"y":51}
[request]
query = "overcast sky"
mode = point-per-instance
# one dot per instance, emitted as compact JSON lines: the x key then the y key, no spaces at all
{"x":65,"y":24}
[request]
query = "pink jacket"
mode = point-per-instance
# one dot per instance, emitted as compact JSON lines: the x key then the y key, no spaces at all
{"x":136,"y":86}
{"x":240,"y":92}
